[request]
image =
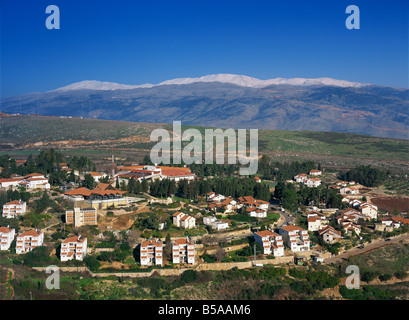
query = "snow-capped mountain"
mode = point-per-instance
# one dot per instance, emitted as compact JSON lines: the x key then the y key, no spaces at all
{"x":239,"y":80}
{"x":232,"y":101}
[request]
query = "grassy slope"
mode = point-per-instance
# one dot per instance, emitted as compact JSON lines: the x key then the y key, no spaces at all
{"x":29,"y":129}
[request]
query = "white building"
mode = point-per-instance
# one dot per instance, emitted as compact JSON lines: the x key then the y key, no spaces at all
{"x":29,"y":240}
{"x":312,"y":182}
{"x":34,"y":181}
{"x":301,"y":177}
{"x":6,"y":237}
{"x":316,"y":220}
{"x":330,"y":235}
{"x":183,"y":220}
{"x":73,"y":248}
{"x":369,"y":210}
{"x":14,"y":209}
{"x":272,"y":242}
{"x":315,"y":172}
{"x":257,"y":213}
{"x":295,"y":238}
{"x":151,"y":252}
{"x":214,"y":223}
{"x":183,"y":251}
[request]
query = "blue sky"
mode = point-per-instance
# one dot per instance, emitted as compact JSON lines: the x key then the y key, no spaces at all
{"x":135,"y":42}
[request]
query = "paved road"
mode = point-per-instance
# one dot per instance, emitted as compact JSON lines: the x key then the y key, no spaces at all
{"x":376,"y":244}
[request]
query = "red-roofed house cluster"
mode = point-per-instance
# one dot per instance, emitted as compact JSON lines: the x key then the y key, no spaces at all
{"x":183,"y":220}
{"x":30,"y":182}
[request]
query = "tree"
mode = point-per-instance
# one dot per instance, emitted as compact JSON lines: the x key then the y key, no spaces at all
{"x":220,"y":254}
{"x":167,"y":250}
{"x":92,"y":263}
{"x":89,"y":181}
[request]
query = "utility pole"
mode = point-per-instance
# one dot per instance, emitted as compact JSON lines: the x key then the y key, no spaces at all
{"x":255,"y":251}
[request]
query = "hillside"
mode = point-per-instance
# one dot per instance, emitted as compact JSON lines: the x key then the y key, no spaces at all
{"x":19,"y":134}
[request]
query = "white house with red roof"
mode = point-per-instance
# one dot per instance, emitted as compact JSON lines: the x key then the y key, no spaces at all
{"x":11,"y":182}
{"x":6,"y":237}
{"x":312,"y":182}
{"x":183,"y":220}
{"x":295,"y":238}
{"x":272,"y":242}
{"x":14,"y":209}
{"x":369,"y":210}
{"x":316,"y":220}
{"x":256,"y":213}
{"x":151,"y":252}
{"x":330,"y":235}
{"x":29,"y":240}
{"x":315,"y":172}
{"x":301,"y":177}
{"x":73,"y":248}
{"x":34,"y":181}
{"x":183,"y":251}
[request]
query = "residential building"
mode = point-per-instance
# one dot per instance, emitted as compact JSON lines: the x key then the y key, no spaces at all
{"x":301,"y":177}
{"x":395,"y":222}
{"x":312,"y":182}
{"x":214,"y":223}
{"x":81,"y":217}
{"x":316,"y":220}
{"x":369,"y":210}
{"x":29,"y":240}
{"x":315,"y":172}
{"x":73,"y":248}
{"x":14,"y":209}
{"x":6,"y":237}
{"x":295,"y":238}
{"x":350,"y":228}
{"x":330,"y":235}
{"x":183,"y":220}
{"x":34,"y":181}
{"x":257,"y":213}
{"x":151,"y":252}
{"x":272,"y":242}
{"x":183,"y":251}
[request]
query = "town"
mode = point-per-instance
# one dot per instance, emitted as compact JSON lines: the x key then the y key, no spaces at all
{"x":140,"y":219}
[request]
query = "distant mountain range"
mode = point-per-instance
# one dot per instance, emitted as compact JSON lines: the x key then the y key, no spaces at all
{"x":232,"y":101}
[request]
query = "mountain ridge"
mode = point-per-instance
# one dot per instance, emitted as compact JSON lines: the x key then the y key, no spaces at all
{"x":240,"y":80}
{"x":369,"y":110}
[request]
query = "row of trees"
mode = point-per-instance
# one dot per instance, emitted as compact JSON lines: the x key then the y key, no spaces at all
{"x":365,"y":175}
{"x":290,"y":198}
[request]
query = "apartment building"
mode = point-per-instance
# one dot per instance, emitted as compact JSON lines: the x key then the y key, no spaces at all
{"x":6,"y":237}
{"x":81,"y":217}
{"x":183,"y":220}
{"x":14,"y":209}
{"x":151,"y":252}
{"x":29,"y":240}
{"x":295,"y":238}
{"x":272,"y":242}
{"x":73,"y":248}
{"x":183,"y":251}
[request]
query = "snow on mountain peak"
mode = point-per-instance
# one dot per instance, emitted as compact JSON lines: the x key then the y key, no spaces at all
{"x":239,"y":80}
